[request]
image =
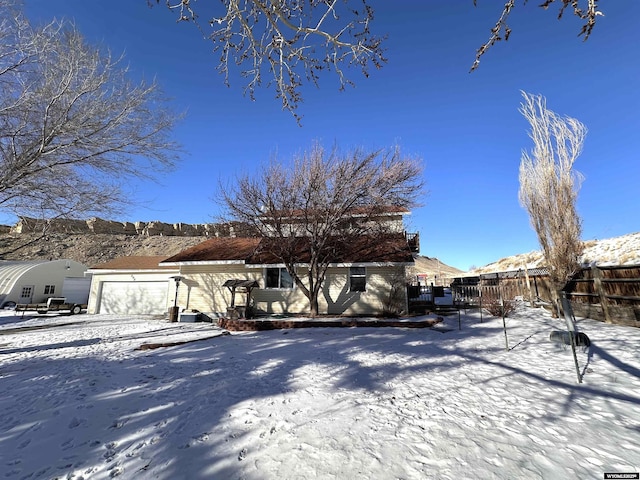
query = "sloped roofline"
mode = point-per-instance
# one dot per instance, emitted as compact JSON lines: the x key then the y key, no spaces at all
{"x":390,"y":250}
{"x":134,"y":262}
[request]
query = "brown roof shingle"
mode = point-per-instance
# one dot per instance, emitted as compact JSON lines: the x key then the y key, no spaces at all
{"x":257,"y":251}
{"x":217,"y":249}
{"x":134,"y":263}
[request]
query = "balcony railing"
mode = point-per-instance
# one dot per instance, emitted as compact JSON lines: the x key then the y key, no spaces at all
{"x":413,"y":239}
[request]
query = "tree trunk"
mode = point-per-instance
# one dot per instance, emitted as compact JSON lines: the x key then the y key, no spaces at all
{"x":555,"y":300}
{"x":313,"y":303}
{"x":556,"y":289}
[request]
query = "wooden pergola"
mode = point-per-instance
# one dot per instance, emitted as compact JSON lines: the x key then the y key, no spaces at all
{"x":242,"y":286}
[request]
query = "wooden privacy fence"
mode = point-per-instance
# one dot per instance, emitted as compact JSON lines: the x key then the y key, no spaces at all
{"x":607,"y":293}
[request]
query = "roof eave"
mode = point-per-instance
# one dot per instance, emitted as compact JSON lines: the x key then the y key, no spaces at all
{"x":130,"y":270}
{"x":204,"y":262}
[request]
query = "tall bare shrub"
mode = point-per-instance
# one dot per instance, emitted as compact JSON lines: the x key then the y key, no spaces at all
{"x":549,"y":187}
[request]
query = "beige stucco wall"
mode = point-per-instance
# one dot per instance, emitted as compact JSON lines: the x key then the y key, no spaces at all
{"x":338,"y":299}
{"x":202,"y":290}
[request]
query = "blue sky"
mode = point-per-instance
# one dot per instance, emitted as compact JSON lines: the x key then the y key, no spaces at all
{"x":465,"y":126}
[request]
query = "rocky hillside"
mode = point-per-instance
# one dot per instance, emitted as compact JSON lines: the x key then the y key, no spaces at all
{"x":623,"y":250}
{"x":90,"y":249}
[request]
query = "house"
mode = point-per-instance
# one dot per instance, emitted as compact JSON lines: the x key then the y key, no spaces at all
{"x":131,"y":285}
{"x":365,"y":276}
{"x":368,"y":279}
{"x":363,"y":284}
{"x":36,"y":281}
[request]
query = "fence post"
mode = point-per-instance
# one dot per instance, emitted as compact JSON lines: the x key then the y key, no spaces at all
{"x":532,"y":302}
{"x":504,"y":322}
{"x":597,"y":285}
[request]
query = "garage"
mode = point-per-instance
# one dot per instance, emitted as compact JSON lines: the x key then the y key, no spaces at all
{"x":140,"y":297}
{"x":135,"y":285}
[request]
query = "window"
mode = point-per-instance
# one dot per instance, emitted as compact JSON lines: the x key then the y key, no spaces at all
{"x":357,"y":279}
{"x":26,"y":292}
{"x":49,"y":289}
{"x":278,"y":278}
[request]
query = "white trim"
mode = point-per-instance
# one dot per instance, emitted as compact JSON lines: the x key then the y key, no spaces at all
{"x":372,"y":264}
{"x":203,"y":262}
{"x":333,"y":265}
{"x":393,"y":213}
{"x":168,"y":271}
{"x":373,"y":215}
{"x":271,"y":265}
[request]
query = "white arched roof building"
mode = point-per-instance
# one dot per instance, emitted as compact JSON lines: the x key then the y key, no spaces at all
{"x":36,"y":281}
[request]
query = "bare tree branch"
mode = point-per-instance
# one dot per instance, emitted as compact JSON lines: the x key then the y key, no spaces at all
{"x":501,"y":30}
{"x":291,"y":41}
{"x":73,"y":126}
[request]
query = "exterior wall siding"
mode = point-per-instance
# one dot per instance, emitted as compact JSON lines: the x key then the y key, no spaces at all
{"x":276,"y":300}
{"x":201,"y":289}
{"x":373,"y":301}
{"x":39,"y":276}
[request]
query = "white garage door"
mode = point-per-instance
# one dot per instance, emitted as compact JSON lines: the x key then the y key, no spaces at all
{"x":134,"y":297}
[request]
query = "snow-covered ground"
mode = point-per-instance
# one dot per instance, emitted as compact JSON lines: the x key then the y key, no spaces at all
{"x":78,"y":400}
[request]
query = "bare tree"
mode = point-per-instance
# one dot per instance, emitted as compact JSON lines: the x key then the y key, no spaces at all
{"x":549,"y":187}
{"x":322,"y":205}
{"x":74,"y":129}
{"x":293,"y":42}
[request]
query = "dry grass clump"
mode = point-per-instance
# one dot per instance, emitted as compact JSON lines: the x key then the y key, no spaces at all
{"x":494,"y":306}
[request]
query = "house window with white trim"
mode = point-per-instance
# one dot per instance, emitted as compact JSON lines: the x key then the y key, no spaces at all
{"x":49,"y":289}
{"x":357,"y":279}
{"x":278,"y":278}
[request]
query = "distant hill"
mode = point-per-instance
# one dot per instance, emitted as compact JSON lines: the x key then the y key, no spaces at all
{"x":623,"y":250}
{"x":435,"y":271}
